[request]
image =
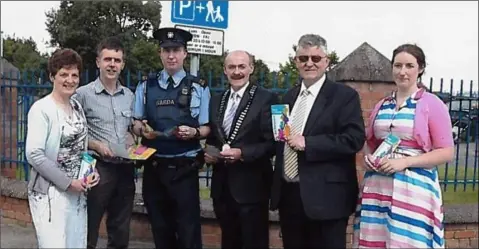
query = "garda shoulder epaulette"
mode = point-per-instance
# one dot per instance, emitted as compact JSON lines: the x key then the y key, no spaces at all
{"x":197,"y":80}
{"x":203,"y":83}
{"x":152,"y":76}
{"x":151,"y":79}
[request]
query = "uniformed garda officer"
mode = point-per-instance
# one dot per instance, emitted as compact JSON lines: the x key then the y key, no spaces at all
{"x":175,"y":106}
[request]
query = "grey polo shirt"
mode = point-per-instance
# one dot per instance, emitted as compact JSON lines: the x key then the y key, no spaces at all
{"x":108,"y":115}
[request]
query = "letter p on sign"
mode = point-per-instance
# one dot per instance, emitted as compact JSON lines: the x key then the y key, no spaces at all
{"x":184,"y":5}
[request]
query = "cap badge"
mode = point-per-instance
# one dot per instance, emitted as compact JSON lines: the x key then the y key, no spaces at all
{"x":170,"y":35}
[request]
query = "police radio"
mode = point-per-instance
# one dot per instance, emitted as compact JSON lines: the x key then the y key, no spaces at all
{"x":185,"y":95}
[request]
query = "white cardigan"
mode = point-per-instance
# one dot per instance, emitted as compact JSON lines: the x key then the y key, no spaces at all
{"x":43,"y":143}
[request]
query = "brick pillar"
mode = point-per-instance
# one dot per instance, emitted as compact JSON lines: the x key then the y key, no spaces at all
{"x":370,"y":94}
{"x":8,"y":124}
{"x":2,"y":110}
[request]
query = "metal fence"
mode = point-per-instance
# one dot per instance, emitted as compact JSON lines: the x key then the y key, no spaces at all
{"x":22,"y":89}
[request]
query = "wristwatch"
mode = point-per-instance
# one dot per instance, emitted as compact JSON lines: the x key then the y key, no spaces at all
{"x":197,"y":133}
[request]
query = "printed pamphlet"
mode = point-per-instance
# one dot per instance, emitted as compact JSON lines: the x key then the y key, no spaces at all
{"x":134,"y":152}
{"x":87,"y":168}
{"x":140,"y":152}
{"x":386,"y":148}
{"x":280,"y":122}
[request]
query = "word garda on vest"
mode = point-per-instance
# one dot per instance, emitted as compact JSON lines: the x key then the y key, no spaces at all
{"x":165,"y":102}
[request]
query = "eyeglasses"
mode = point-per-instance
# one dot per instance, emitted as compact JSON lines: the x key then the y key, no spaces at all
{"x":314,"y":58}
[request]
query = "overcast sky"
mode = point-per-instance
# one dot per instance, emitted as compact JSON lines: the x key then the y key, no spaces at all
{"x":447,"y":31}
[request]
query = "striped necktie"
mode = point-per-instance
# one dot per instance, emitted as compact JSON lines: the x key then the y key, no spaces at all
{"x":228,"y":120}
{"x":290,"y":156}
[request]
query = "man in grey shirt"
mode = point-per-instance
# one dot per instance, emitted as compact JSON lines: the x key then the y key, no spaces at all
{"x":108,"y":109}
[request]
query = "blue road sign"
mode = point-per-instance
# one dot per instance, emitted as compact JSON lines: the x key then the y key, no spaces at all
{"x":211,"y":14}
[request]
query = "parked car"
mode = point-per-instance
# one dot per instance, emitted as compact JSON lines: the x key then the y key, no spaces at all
{"x":464,"y":117}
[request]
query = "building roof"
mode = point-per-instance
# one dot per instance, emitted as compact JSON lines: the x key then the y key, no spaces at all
{"x":8,"y":70}
{"x":365,"y":63}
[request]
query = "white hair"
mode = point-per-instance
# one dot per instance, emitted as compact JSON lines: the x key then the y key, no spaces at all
{"x":312,"y":40}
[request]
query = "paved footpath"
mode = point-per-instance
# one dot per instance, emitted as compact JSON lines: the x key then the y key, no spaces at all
{"x":15,"y":236}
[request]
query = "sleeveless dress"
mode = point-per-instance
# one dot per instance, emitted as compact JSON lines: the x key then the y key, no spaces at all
{"x":60,"y":218}
{"x":402,"y":210}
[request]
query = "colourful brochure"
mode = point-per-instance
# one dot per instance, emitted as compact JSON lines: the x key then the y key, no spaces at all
{"x":134,"y":152}
{"x":140,"y":152}
{"x":386,"y":148}
{"x":87,"y":168}
{"x":280,"y":122}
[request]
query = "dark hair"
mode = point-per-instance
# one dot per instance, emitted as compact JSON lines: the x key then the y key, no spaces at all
{"x":415,"y":51}
{"x":110,"y":43}
{"x":64,"y":58}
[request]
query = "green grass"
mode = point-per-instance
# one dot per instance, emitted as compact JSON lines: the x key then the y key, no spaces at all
{"x":459,"y":194}
{"x":204,"y":193}
{"x":20,"y":172}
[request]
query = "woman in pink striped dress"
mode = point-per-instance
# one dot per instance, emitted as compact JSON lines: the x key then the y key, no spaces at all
{"x":400,"y":203}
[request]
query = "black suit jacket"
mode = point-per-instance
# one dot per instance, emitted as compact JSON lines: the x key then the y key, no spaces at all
{"x":334,"y":133}
{"x":249,"y":179}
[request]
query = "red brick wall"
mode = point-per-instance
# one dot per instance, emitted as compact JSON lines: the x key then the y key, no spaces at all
{"x":16,"y":211}
{"x":9,"y":117}
{"x":370,"y":94}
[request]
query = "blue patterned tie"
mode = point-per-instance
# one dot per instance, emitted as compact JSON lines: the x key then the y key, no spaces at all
{"x":228,"y":120}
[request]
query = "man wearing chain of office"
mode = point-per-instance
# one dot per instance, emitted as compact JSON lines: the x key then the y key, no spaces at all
{"x":240,"y":147}
{"x":171,"y":111}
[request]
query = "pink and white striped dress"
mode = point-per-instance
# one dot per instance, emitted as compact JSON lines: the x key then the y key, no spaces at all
{"x":402,"y":210}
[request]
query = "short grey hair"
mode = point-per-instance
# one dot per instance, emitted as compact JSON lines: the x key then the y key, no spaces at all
{"x":312,"y":40}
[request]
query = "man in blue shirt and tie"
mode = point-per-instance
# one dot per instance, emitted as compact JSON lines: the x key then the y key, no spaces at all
{"x":171,"y":112}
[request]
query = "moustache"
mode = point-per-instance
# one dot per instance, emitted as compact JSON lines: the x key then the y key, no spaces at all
{"x":237,"y":76}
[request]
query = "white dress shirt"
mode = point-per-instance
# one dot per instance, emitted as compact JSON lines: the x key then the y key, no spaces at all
{"x":240,"y":94}
{"x":313,"y":94}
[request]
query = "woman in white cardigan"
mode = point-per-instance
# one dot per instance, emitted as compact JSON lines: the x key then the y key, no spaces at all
{"x":56,"y":141}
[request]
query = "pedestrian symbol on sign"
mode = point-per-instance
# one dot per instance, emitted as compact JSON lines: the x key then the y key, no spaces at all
{"x":214,"y":15}
{"x":211,"y":14}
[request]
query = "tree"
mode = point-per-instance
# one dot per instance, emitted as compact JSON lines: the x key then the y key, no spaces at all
{"x":262,"y":74}
{"x":82,"y":25}
{"x":144,"y":58}
{"x":288,"y":72}
{"x":212,"y":70}
{"x":333,"y":60}
{"x":23,"y":54}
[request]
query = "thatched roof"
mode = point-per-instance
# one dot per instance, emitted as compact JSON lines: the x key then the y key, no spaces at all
{"x":8,"y":70}
{"x":365,"y":63}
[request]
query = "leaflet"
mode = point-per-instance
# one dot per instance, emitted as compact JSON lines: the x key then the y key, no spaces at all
{"x":386,"y":148}
{"x":280,"y":121}
{"x":140,"y":152}
{"x":87,"y":168}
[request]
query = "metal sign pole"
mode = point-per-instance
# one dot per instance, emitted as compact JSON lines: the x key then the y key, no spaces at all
{"x":194,"y":64}
{"x":1,"y":53}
